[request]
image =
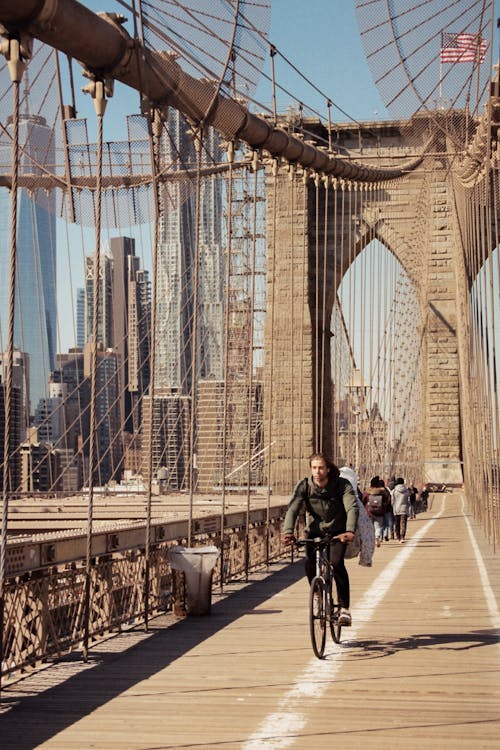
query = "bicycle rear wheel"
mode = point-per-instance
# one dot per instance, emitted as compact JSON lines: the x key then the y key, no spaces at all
{"x":317,"y":616}
{"x":335,"y":628}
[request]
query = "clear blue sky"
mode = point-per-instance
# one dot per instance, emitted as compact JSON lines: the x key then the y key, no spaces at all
{"x":321,"y":38}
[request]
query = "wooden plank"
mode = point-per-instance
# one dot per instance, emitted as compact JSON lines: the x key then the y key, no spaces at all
{"x":420,"y":670}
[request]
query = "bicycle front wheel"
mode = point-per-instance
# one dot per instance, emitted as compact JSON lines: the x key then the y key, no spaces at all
{"x":317,"y":616}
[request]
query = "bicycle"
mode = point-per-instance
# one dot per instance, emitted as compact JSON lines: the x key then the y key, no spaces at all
{"x":323,"y":605}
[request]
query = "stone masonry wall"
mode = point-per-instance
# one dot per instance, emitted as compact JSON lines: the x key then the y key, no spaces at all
{"x":442,"y":423}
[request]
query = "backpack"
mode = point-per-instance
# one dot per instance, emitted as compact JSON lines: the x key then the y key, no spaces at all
{"x":376,"y":504}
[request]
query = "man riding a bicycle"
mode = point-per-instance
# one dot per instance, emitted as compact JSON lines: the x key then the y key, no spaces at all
{"x":331,"y":510}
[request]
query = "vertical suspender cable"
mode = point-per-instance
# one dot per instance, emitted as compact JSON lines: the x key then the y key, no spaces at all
{"x":324,"y":331}
{"x":250,"y":382}
{"x":155,"y":128}
{"x":351,"y":267}
{"x":304,"y":305}
{"x":336,"y":312}
{"x":154,"y":136}
{"x":291,"y":302}
{"x":98,"y":94}
{"x":194,"y":336}
{"x":227,"y":344}
{"x":493,"y":405}
{"x":477,"y":329}
{"x":291,"y":194}
{"x":16,"y":69}
{"x":271,"y":310}
{"x":495,"y":353}
{"x":316,"y":415}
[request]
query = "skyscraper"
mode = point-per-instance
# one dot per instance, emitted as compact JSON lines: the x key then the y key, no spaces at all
{"x":35,"y":297}
{"x":175,"y":311}
{"x":124,"y":321}
{"x":176,"y":315}
{"x":80,"y":317}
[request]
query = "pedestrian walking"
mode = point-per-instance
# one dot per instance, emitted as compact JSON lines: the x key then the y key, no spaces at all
{"x":363,"y":544}
{"x":424,"y":497}
{"x":400,"y":505}
{"x":388,"y":531}
{"x":376,"y":500}
{"x":413,"y":501}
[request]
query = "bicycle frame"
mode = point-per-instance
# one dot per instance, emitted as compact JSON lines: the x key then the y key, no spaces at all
{"x":323,"y":607}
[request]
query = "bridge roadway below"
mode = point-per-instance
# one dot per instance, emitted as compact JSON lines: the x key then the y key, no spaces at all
{"x":420,"y":667}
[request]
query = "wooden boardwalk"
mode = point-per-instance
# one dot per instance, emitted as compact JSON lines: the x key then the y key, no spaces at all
{"x":420,"y":668}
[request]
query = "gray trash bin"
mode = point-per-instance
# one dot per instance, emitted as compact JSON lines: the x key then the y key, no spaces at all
{"x":197,"y":564}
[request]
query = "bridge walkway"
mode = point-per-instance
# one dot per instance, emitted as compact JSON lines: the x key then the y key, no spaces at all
{"x":420,"y":666}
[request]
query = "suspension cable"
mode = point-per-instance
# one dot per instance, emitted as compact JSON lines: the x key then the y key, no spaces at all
{"x":11,"y":47}
{"x":155,"y":130}
{"x":97,"y":90}
{"x":227,"y":344}
{"x":198,"y":136}
{"x":271,"y":307}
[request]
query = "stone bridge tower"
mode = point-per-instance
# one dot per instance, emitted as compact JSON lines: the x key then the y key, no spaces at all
{"x":299,"y":405}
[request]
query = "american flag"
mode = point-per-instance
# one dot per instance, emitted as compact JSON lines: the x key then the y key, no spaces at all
{"x":462,"y":48}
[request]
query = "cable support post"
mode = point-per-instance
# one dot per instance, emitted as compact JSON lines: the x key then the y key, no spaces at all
{"x":230,"y":149}
{"x":157,"y":119}
{"x":197,"y":133}
{"x":291,"y":170}
{"x":16,"y":48}
{"x":255,"y":161}
{"x":99,"y":88}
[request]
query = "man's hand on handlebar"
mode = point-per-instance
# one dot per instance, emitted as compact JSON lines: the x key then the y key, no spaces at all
{"x":346,"y":536}
{"x":288,"y":539}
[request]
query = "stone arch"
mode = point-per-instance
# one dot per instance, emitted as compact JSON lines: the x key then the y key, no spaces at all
{"x":307,"y":255}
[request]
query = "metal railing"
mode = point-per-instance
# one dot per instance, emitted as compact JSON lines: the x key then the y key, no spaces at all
{"x":44,"y":610}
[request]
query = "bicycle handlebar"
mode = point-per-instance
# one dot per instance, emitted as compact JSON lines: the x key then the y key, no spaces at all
{"x":319,"y":541}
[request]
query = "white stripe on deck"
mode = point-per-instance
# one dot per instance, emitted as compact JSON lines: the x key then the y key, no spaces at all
{"x":485,"y":581}
{"x":279,"y":730}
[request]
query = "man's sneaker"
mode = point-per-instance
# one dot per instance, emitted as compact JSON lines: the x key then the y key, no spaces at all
{"x":344,"y":617}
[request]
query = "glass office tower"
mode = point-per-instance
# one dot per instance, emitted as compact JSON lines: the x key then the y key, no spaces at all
{"x":35,"y":300}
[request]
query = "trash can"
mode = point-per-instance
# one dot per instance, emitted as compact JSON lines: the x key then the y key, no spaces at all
{"x":197,"y":564}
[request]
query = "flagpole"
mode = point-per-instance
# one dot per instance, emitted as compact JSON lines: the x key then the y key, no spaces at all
{"x":440,"y":82}
{"x":440,"y":100}
{"x":477,"y":63}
